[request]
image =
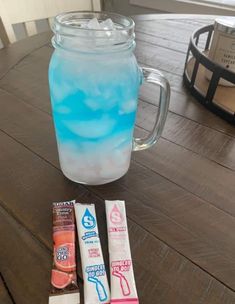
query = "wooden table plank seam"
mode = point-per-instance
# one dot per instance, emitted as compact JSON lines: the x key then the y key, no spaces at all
{"x":157,"y":45}
{"x":182,"y":265}
{"x":179,"y":194}
{"x":34,"y":237}
{"x":131,"y":219}
{"x":41,"y":243}
{"x":23,"y":43}
{"x":4,"y":74}
{"x":19,"y":221}
{"x":142,"y":30}
{"x":194,"y":152}
{"x":167,"y":139}
{"x":138,"y":202}
{"x":173,"y":90}
{"x":26,"y":147}
{"x":10,"y":298}
{"x":58,"y":169}
{"x":184,"y":256}
{"x":25,"y":101}
{"x":50,"y":163}
{"x":186,"y":148}
{"x":143,"y":63}
{"x":134,"y":160}
{"x":143,"y":128}
{"x":180,"y":186}
{"x":141,"y":99}
{"x":187,"y":118}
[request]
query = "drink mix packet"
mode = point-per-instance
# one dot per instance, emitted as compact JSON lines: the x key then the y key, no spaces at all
{"x":123,"y":288}
{"x":96,"y":288}
{"x":64,"y":287}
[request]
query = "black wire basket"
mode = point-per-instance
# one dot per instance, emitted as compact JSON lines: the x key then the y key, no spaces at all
{"x":215,"y":97}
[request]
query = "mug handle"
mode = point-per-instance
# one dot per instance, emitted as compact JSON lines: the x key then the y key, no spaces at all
{"x":155,"y":77}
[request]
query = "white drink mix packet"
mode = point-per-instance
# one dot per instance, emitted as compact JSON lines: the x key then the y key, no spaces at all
{"x":123,"y":288}
{"x":96,"y":288}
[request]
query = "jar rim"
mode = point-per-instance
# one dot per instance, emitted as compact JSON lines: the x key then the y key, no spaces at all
{"x":64,"y":21}
{"x":71,"y":34}
{"x":225,"y":24}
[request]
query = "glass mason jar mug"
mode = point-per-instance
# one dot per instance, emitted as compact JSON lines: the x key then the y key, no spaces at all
{"x":94,"y":82}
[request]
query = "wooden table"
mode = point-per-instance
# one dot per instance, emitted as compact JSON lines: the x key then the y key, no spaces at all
{"x":180,"y":194}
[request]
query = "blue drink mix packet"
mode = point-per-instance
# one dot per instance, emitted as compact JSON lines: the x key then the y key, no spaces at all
{"x":96,"y":288}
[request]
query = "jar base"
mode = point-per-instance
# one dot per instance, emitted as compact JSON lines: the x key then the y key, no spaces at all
{"x":95,"y":183}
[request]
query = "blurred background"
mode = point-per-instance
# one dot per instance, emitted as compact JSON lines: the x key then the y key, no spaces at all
{"x":22,"y":18}
{"x":214,"y":7}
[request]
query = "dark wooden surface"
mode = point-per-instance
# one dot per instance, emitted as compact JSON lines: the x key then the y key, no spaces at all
{"x":4,"y":293}
{"x":180,"y":194}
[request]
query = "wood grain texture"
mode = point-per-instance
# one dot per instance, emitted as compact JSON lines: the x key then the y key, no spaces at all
{"x":189,"y":134}
{"x":183,"y":221}
{"x":167,"y":269}
{"x":198,"y":175}
{"x":4,"y":295}
{"x":24,"y":262}
{"x":158,"y":200}
{"x":32,"y":87}
{"x":185,"y":134}
{"x":13,"y":54}
{"x":181,"y":103}
{"x":179,"y":194}
{"x":18,"y":190}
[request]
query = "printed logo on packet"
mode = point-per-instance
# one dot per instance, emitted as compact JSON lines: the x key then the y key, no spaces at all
{"x":95,"y":274}
{"x":94,"y":253}
{"x":88,"y":220}
{"x":89,"y":234}
{"x":64,"y":257}
{"x":116,"y":216}
{"x":62,"y":253}
{"x":118,"y":270}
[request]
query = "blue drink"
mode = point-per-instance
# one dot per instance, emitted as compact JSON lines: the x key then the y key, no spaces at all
{"x":94,"y":101}
{"x":94,"y":81}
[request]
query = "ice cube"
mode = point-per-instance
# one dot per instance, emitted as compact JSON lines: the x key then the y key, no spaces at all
{"x":95,"y":163}
{"x":107,"y":24}
{"x":128,"y":106}
{"x":99,"y":102}
{"x":115,"y":163}
{"x":93,"y":128}
{"x":93,"y":104}
{"x":106,"y":30}
{"x":116,"y":142}
{"x":93,"y":24}
{"x":60,"y":90}
{"x":62,"y":109}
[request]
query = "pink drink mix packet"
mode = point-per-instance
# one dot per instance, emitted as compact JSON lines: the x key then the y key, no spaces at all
{"x":123,"y":288}
{"x":64,"y":288}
